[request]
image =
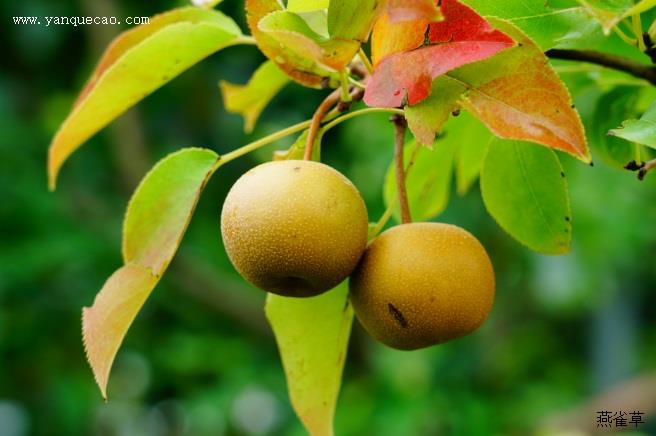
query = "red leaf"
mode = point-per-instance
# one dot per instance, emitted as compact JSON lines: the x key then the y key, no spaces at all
{"x":462,"y":38}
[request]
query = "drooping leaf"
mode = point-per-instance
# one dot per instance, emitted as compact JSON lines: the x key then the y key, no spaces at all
{"x":518,"y":95}
{"x":351,"y":20}
{"x":426,"y":118}
{"x":312,"y":336}
{"x":251,"y":99}
{"x":428,"y":179}
{"x":105,"y":324}
{"x":642,"y":131}
{"x":301,"y":42}
{"x":300,"y":67}
{"x":525,"y":190}
{"x":138,"y":62}
{"x":462,"y":38}
{"x":549,"y":26}
{"x":157,"y":217}
{"x":161,"y":207}
{"x":306,"y":5}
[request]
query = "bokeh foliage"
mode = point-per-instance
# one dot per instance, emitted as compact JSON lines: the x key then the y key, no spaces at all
{"x":200,"y":358}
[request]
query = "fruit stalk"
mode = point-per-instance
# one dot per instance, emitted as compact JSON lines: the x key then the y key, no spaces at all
{"x":400,"y":125}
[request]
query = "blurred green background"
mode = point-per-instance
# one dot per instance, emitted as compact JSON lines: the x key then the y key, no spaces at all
{"x":200,"y":358}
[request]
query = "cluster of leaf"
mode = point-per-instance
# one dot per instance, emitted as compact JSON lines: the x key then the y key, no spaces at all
{"x":513,"y":110}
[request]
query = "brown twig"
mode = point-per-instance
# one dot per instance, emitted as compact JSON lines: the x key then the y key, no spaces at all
{"x":648,"y":166}
{"x":325,"y":106}
{"x":615,"y":62}
{"x":332,"y":101}
{"x":400,"y":125}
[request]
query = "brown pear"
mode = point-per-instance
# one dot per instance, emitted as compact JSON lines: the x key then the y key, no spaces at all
{"x":422,"y":284}
{"x":294,"y":228}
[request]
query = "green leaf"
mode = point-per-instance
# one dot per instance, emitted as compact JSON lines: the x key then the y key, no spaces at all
{"x":312,"y":336}
{"x":567,"y":25}
{"x":161,"y":207}
{"x":251,"y":99}
{"x":642,"y":131}
{"x":105,"y":324}
{"x":428,"y":179}
{"x":525,"y":190}
{"x":157,"y":217}
{"x":353,"y":20}
{"x":306,"y":5}
{"x":472,"y":139}
{"x":138,"y":62}
{"x":427,"y":118}
{"x":611,"y":109}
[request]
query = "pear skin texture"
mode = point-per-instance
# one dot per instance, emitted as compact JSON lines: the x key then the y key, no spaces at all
{"x":422,"y":284}
{"x":294,"y":228}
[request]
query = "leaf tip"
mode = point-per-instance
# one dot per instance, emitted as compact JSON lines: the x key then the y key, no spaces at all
{"x":99,"y":376}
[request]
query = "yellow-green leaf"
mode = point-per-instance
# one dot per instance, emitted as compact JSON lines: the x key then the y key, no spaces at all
{"x":105,"y":324}
{"x":162,"y":205}
{"x":312,"y":336}
{"x":251,"y":99}
{"x":157,"y":217}
{"x":138,"y":62}
{"x":306,"y":5}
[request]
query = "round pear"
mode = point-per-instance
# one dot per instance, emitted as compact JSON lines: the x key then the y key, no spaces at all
{"x":294,"y":228}
{"x":422,"y":284}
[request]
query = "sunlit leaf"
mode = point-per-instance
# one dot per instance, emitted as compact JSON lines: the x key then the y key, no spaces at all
{"x":251,"y":99}
{"x":156,"y":220}
{"x":105,"y":324}
{"x":162,"y":205}
{"x":525,"y":190}
{"x":428,"y":179}
{"x":302,"y":69}
{"x":301,"y":42}
{"x":462,"y":38}
{"x":138,"y":62}
{"x":312,"y":336}
{"x":642,"y":131}
{"x":306,"y":5}
{"x":518,"y":95}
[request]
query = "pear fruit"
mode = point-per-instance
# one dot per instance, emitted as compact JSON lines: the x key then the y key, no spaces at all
{"x":294,"y":228}
{"x":422,"y":284}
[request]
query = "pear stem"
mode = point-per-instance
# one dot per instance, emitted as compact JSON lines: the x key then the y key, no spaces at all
{"x":400,"y":125}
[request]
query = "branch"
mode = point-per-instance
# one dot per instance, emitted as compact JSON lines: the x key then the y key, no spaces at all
{"x":619,"y":63}
{"x":400,"y":125}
